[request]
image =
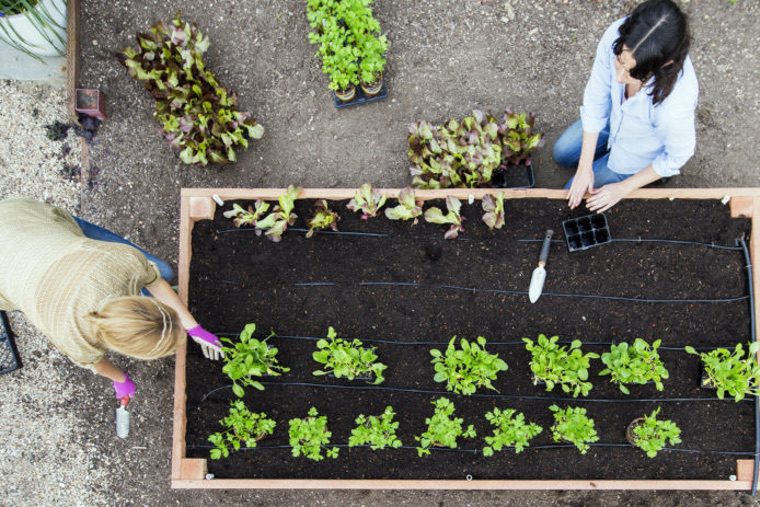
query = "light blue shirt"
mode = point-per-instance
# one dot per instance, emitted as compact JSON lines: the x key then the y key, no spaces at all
{"x":640,"y":132}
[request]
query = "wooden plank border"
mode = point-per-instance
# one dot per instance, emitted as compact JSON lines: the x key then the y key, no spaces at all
{"x":72,"y":55}
{"x":189,"y":473}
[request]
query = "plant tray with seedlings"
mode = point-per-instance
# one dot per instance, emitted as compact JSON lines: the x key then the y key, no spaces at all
{"x":361,"y":98}
{"x":9,"y":358}
{"x":521,"y":175}
{"x":403,"y":352}
{"x":586,"y":232}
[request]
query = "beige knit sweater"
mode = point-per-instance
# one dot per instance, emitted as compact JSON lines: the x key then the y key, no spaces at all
{"x":56,"y":276}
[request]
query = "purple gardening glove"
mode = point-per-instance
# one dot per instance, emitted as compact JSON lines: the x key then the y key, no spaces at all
{"x":124,"y":389}
{"x":210,"y":344}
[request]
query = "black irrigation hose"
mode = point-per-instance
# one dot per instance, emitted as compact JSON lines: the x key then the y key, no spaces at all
{"x":476,"y":395}
{"x":748,"y":260}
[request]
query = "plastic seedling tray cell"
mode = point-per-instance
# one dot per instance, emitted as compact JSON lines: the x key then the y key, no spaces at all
{"x":9,"y":358}
{"x":514,"y":176}
{"x":586,"y":232}
{"x":361,"y":98}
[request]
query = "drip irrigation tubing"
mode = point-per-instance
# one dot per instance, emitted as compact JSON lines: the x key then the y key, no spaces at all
{"x":435,"y":392}
{"x":753,"y":330}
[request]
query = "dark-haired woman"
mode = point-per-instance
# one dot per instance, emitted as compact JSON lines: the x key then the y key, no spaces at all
{"x":637,"y":119}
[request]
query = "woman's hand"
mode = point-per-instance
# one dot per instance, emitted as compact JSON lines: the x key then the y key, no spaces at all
{"x":606,"y":197}
{"x":124,"y":389}
{"x":582,"y":183}
{"x":210,"y":344}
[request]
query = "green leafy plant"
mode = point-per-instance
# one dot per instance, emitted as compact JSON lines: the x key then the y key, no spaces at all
{"x":308,"y":436}
{"x":241,"y":216}
{"x":241,"y":427}
{"x":468,"y":368}
{"x":323,"y":218}
{"x":443,"y":429}
{"x":377,"y":432}
{"x":518,"y":137}
{"x":652,"y":435}
{"x":732,"y":373}
{"x":434,"y":215}
{"x":558,"y":365}
{"x":572,"y":425}
{"x":368,"y":201}
{"x":249,"y":358}
{"x":198,"y":116}
{"x":635,"y":364}
{"x":276,"y":223}
{"x":493,"y":205}
{"x":44,"y":20}
{"x":510,"y":430}
{"x":347,"y":359}
{"x":408,"y":207}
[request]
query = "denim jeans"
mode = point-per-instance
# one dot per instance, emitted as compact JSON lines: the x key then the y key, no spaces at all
{"x":567,"y":153}
{"x":98,"y":233}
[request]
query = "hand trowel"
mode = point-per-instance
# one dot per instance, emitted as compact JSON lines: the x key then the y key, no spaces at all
{"x":122,"y":418}
{"x":539,"y":274}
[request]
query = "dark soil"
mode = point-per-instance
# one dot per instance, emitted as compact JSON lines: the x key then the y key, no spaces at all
{"x":237,"y":277}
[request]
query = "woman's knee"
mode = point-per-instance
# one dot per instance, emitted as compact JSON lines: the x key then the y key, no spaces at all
{"x":567,"y":149}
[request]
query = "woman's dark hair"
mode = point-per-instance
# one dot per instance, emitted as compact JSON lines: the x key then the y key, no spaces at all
{"x":657,"y":33}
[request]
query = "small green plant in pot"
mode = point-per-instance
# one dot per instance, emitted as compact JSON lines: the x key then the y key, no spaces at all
{"x":323,"y":218}
{"x":443,"y":429}
{"x":248,"y":359}
{"x":309,"y":436}
{"x":557,"y":365}
{"x":651,"y":435}
{"x":467,"y":368}
{"x":572,"y":425}
{"x":635,"y":364}
{"x":347,"y":359}
{"x":241,"y":427}
{"x":510,"y":430}
{"x":736,"y":374}
{"x":408,"y":208}
{"x":518,"y":137}
{"x":453,"y":218}
{"x":368,"y":201}
{"x":379,"y":432}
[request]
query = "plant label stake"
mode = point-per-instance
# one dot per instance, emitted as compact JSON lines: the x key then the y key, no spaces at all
{"x":539,"y":274}
{"x":122,"y":418}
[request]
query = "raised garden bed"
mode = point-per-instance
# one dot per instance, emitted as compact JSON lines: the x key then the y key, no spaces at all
{"x":407,"y":284}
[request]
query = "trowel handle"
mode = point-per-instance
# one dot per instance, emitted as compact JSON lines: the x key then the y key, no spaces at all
{"x":545,"y":248}
{"x":124,"y":401}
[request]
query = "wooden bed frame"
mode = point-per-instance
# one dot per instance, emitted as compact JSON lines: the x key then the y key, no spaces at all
{"x":197,"y":204}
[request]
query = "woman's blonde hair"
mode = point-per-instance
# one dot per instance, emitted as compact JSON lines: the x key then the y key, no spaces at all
{"x":138,"y":326}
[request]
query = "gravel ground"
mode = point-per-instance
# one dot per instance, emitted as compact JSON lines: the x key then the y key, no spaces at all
{"x":446,"y":57}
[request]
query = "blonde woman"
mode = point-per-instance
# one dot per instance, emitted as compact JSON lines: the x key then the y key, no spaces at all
{"x":89,"y":291}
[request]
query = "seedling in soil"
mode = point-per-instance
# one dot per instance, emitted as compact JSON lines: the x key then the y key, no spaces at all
{"x":276,"y":223}
{"x":636,"y":364}
{"x":556,"y":365}
{"x":468,"y":368}
{"x":443,"y":430}
{"x":734,"y":374}
{"x":435,"y":216}
{"x":651,"y":435}
{"x":240,"y":216}
{"x":572,"y":425}
{"x":308,"y":436}
{"x":242,"y":427}
{"x":493,"y":205}
{"x":377,"y":432}
{"x":323,"y":218}
{"x":368,"y":201}
{"x":518,"y":138}
{"x":510,"y":430}
{"x":408,"y":207}
{"x":347,"y":359}
{"x":249,"y":358}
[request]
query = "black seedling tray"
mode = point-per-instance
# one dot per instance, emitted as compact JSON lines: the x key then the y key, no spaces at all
{"x":9,"y":358}
{"x":514,"y":176}
{"x":586,"y":232}
{"x":361,"y":98}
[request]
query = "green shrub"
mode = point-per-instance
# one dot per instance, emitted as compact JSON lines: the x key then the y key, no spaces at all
{"x":347,"y":359}
{"x":443,"y":430}
{"x":636,"y":364}
{"x":734,"y":374}
{"x":197,"y":115}
{"x":468,"y":368}
{"x":572,"y":425}
{"x":510,"y":430}
{"x":242,"y":427}
{"x":377,"y":432}
{"x":556,"y":365}
{"x":308,"y":436}
{"x":652,"y":435}
{"x":249,"y":358}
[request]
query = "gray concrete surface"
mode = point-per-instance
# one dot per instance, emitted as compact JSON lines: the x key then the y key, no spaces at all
{"x":57,"y":445}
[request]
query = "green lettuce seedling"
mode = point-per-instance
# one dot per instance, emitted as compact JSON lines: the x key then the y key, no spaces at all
{"x":443,"y":430}
{"x":249,"y":358}
{"x":510,"y":430}
{"x":468,"y":368}
{"x":323,"y":218}
{"x":241,"y":216}
{"x":377,"y":432}
{"x":435,"y":216}
{"x":308,"y":436}
{"x":561,"y":366}
{"x":518,"y":138}
{"x":368,"y":201}
{"x":572,"y":425}
{"x":347,"y":359}
{"x":636,"y":364}
{"x":242,"y":427}
{"x":652,"y":435}
{"x":493,"y":205}
{"x":276,"y":223}
{"x":735,"y":374}
{"x":408,"y":208}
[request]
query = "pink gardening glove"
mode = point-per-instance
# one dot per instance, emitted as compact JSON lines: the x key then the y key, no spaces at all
{"x":124,"y":389}
{"x":210,"y":344}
